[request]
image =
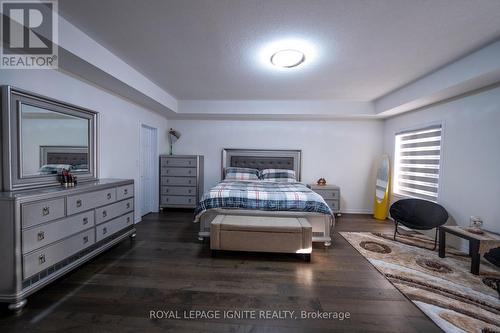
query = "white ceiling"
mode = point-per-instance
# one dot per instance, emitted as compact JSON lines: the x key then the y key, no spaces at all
{"x":210,"y":49}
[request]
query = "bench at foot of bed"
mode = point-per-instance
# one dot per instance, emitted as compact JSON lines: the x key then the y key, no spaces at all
{"x":261,"y":234}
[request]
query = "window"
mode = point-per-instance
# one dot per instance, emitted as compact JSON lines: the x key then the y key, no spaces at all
{"x":416,"y":163}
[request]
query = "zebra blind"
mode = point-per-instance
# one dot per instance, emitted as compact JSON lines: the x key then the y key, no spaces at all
{"x":417,"y":158}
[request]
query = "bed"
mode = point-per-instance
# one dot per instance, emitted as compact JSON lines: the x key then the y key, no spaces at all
{"x":258,"y":198}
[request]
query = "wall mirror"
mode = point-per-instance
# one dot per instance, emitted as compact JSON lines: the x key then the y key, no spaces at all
{"x":41,"y":137}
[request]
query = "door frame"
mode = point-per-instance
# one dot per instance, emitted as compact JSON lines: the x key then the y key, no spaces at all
{"x":155,"y":164}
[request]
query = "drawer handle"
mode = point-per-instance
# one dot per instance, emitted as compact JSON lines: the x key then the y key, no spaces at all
{"x":104,"y":213}
{"x":128,"y":205}
{"x":108,"y":196}
{"x":167,"y":171}
{"x":78,"y":203}
{"x":45,"y":211}
{"x":189,"y":172}
{"x":85,"y":239}
{"x":125,"y":191}
{"x":41,"y":259}
{"x":128,"y":219}
{"x":104,"y":231}
{"x":85,"y":220}
{"x":190,"y":181}
{"x":166,"y":199}
{"x":189,"y":191}
{"x":168,"y":181}
{"x":189,"y":162}
{"x":167,"y":191}
{"x":41,"y":236}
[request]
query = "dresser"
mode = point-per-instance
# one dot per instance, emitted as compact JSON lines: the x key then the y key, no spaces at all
{"x":46,"y":233}
{"x":331,"y":194}
{"x":181,"y":180}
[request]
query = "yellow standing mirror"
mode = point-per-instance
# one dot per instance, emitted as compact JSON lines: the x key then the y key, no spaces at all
{"x":382,"y":189}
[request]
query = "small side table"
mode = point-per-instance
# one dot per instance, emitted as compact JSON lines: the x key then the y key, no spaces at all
{"x":331,"y":194}
{"x":479,"y":244}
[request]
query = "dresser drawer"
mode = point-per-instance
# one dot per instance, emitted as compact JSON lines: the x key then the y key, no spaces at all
{"x":178,"y":190}
{"x":333,"y":204}
{"x":185,"y":181}
{"x":83,"y":202}
{"x":124,"y":192}
{"x":42,"y":211}
{"x":178,"y":162}
{"x":167,"y":200}
{"x":107,"y":213}
{"x":178,"y":172}
{"x":35,"y":238}
{"x":328,"y":193}
{"x":107,"y":229}
{"x":52,"y":254}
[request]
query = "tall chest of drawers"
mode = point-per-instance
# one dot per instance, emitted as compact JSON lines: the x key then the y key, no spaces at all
{"x":48,"y":232}
{"x":181,"y":180}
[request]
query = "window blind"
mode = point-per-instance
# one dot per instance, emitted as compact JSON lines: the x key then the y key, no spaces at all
{"x":417,"y":162}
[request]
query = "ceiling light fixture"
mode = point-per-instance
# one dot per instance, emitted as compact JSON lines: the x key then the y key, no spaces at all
{"x":288,"y":58}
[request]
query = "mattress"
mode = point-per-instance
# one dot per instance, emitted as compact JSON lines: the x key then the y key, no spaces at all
{"x":262,"y":196}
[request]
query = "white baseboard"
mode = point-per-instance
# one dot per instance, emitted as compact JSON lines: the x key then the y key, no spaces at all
{"x":356,"y":211}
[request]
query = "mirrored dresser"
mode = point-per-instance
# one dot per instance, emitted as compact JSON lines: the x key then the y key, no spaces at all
{"x":46,"y":233}
{"x":47,"y":229}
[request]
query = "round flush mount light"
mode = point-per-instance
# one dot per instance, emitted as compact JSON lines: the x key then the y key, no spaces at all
{"x":288,"y":58}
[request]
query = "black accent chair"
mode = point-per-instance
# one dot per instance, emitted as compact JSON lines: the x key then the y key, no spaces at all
{"x":493,"y":256}
{"x":418,"y":214}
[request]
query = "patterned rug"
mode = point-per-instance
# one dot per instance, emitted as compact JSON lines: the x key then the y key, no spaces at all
{"x":443,"y":288}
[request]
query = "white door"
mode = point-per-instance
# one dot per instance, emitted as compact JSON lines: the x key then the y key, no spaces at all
{"x":149,"y":162}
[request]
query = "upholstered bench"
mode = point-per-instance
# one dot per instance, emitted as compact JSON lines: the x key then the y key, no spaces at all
{"x":261,"y":234}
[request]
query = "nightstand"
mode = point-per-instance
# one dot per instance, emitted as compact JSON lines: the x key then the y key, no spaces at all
{"x":330,"y":193}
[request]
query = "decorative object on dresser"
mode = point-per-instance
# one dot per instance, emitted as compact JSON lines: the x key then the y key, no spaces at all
{"x":331,"y":194}
{"x":321,"y":182}
{"x":46,"y":233}
{"x":181,"y":180}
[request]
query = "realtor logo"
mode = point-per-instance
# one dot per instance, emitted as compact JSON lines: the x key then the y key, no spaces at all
{"x":29,"y":34}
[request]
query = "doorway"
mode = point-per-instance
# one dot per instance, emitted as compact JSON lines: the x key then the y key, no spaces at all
{"x":149,"y":170}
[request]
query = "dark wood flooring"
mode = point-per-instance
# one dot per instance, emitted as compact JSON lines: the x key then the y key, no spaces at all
{"x":167,"y":268}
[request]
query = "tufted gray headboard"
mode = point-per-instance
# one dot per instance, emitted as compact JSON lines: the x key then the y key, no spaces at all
{"x":262,"y":159}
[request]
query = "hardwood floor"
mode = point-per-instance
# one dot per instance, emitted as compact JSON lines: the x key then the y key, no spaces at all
{"x":167,"y":268}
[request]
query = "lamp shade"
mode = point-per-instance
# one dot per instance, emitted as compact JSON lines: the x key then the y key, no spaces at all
{"x":173,"y":135}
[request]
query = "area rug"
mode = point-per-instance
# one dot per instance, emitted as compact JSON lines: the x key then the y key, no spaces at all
{"x":443,"y":288}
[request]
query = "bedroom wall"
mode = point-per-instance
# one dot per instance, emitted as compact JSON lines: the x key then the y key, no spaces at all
{"x":119,"y":119}
{"x":469,"y":180}
{"x":342,"y":151}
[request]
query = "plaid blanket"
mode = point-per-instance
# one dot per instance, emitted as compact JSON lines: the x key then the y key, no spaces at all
{"x":259,"y":195}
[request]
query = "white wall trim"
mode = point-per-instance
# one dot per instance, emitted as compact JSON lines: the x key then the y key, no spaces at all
{"x":474,"y":71}
{"x":356,"y":211}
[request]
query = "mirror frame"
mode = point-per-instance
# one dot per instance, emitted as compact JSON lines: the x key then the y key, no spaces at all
{"x":12,"y":178}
